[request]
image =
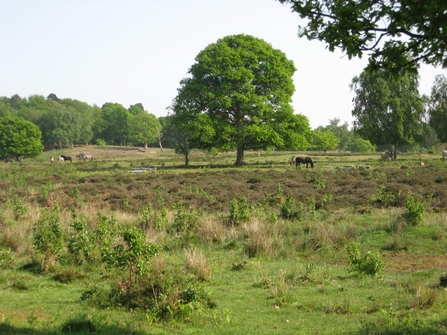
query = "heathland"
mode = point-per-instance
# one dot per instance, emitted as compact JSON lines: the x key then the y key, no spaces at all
{"x":131,"y":242}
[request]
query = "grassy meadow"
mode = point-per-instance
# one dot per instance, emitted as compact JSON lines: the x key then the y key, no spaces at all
{"x":354,"y":246}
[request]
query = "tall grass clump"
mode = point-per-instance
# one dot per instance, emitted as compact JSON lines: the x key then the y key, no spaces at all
{"x":196,"y":262}
{"x":262,"y":239}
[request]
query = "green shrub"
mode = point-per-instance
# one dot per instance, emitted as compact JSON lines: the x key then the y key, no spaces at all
{"x":239,"y":211}
{"x":6,"y":258}
{"x":287,"y":209}
{"x":370,"y":263}
{"x":81,"y":242}
{"x":19,"y":208}
{"x":47,"y":237}
{"x":185,"y":221}
{"x":414,"y":211}
{"x":131,"y":252}
{"x":384,"y":198}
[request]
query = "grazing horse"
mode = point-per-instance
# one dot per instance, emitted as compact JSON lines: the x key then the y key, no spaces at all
{"x":444,"y":154}
{"x":385,"y":156}
{"x":84,"y":156}
{"x":66,"y":158}
{"x":60,"y":159}
{"x":88,"y":156}
{"x":302,"y":160}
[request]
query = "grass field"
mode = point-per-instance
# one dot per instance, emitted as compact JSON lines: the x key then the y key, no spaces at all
{"x":353,"y":246}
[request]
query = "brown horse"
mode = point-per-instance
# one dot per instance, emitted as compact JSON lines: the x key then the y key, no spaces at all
{"x":302,"y":160}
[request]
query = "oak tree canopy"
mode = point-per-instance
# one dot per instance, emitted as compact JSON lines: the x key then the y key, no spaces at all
{"x":395,"y":34}
{"x":238,"y":96}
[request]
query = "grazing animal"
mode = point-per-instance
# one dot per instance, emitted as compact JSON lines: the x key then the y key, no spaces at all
{"x":386,"y":156}
{"x":66,"y":158}
{"x":84,"y":156}
{"x":9,"y":160}
{"x":302,"y":160}
{"x":88,"y":156}
{"x":51,"y":159}
{"x":60,"y":159}
{"x":444,"y":154}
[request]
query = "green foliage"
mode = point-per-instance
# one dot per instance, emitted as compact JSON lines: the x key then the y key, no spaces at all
{"x":414,"y":211}
{"x":6,"y":258}
{"x":287,"y":209}
{"x":239,"y":211}
{"x":165,"y":294}
{"x":19,"y":138}
{"x":47,"y":237}
{"x":384,"y":198}
{"x":143,"y":128}
{"x":437,"y":109}
{"x":388,"y":110}
{"x":131,"y":252}
{"x":371,"y":263}
{"x":185,"y":221}
{"x":238,"y":96}
{"x":277,"y":197}
{"x":116,"y":123}
{"x":19,"y":208}
{"x":100,"y":142}
{"x":81,"y":242}
{"x":355,"y":27}
{"x":105,"y":234}
{"x":324,"y":139}
{"x":358,"y":144}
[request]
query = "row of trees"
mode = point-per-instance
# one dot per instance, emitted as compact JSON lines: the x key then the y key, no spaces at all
{"x":65,"y":122}
{"x":388,"y":111}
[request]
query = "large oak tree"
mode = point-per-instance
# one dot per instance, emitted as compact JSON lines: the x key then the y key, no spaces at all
{"x":237,"y":96}
{"x":394,"y":33}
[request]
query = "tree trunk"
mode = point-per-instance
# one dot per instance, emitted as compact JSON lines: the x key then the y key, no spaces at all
{"x":145,"y":146}
{"x":159,"y":143}
{"x":240,"y":156}
{"x":186,"y":159}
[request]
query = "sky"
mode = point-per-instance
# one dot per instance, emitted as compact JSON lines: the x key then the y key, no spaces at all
{"x":137,"y":51}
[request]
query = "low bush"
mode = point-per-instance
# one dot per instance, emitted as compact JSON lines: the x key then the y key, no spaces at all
{"x":414,"y":211}
{"x":371,"y":263}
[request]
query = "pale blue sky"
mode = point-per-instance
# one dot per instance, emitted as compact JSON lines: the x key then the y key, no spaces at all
{"x":132,"y":51}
